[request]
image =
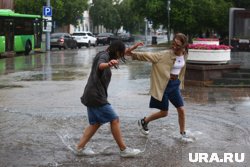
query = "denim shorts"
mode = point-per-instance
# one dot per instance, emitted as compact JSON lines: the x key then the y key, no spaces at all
{"x":101,"y":115}
{"x":172,"y":93}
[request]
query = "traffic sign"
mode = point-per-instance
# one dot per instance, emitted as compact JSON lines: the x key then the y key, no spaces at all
{"x":47,"y":24}
{"x":47,"y":11}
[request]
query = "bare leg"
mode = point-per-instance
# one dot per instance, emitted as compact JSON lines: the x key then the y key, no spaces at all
{"x":88,"y":133}
{"x":116,"y":132}
{"x":155,"y":116}
{"x":181,"y":116}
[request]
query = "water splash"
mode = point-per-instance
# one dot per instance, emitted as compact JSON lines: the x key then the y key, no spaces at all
{"x":66,"y":140}
{"x":70,"y":144}
{"x":54,"y":164}
{"x":189,"y":138}
{"x":145,"y":146}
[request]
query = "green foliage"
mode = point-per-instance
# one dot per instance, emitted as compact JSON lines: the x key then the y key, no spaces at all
{"x":188,"y":16}
{"x":64,"y":11}
{"x":33,"y":7}
{"x":105,"y":12}
{"x":72,"y":10}
{"x":129,"y":20}
{"x":182,"y":16}
{"x":191,"y":17}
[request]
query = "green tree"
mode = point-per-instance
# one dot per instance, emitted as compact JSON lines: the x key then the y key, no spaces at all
{"x":129,"y":20}
{"x":188,"y":16}
{"x":153,"y":10}
{"x":183,"y":17}
{"x":64,"y":11}
{"x":105,"y":12}
{"x":33,"y":7}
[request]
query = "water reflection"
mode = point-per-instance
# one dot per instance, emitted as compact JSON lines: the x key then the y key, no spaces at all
{"x":220,"y":127}
{"x":21,"y":63}
{"x":61,"y":65}
{"x":75,"y":65}
{"x":241,"y":58}
{"x":47,"y":74}
{"x":204,"y":95}
{"x":139,"y":70}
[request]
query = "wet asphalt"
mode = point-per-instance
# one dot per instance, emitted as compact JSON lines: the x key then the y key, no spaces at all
{"x":41,"y":116}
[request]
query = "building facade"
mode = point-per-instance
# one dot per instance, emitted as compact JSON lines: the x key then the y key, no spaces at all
{"x":84,"y":23}
{"x":6,"y":4}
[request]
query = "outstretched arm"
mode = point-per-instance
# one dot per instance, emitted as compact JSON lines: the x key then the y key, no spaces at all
{"x":128,"y":50}
{"x":110,"y":64}
{"x":143,"y":56}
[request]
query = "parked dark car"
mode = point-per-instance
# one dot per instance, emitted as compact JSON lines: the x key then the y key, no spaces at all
{"x":126,"y":37}
{"x":106,"y":38}
{"x":62,"y":40}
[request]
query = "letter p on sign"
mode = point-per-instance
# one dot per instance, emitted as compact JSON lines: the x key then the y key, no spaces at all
{"x":47,"y":11}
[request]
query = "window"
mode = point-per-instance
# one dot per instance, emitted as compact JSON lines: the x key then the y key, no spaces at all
{"x":79,"y":34}
{"x":23,"y":26}
{"x":1,"y":26}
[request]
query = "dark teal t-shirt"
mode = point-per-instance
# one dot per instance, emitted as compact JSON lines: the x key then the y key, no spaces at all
{"x":95,"y":93}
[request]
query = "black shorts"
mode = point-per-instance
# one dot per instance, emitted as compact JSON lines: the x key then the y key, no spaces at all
{"x":172,"y":93}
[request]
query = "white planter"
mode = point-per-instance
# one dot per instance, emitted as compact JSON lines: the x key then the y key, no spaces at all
{"x":200,"y":56}
{"x":206,"y":42}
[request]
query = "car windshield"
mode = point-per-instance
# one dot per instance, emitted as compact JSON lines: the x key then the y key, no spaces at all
{"x":105,"y":34}
{"x":79,"y":34}
{"x":124,"y":34}
{"x":56,"y":35}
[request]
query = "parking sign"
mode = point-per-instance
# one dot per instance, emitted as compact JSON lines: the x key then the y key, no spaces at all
{"x":47,"y":11}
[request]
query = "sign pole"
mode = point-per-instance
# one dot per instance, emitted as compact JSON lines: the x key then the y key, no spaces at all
{"x":48,"y":33}
{"x":169,"y":31}
{"x":146,"y":31}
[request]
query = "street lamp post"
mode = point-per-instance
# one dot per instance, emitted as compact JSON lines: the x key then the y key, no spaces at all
{"x":168,"y":8}
{"x":90,"y":21}
{"x":146,"y":31}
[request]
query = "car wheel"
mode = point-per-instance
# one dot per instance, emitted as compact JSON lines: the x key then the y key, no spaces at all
{"x":28,"y":47}
{"x":110,"y":41}
{"x":79,"y":46}
{"x":88,"y":45}
{"x":65,"y":46}
{"x":72,"y":46}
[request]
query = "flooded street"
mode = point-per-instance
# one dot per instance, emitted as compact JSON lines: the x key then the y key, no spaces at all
{"x":41,"y":116}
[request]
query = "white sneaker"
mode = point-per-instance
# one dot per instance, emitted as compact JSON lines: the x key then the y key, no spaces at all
{"x":186,"y":138}
{"x":129,"y":152}
{"x":82,"y":151}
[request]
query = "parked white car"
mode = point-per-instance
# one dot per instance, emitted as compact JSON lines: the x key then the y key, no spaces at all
{"x":84,"y":38}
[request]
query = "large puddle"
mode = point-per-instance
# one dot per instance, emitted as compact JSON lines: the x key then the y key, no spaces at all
{"x":41,"y":116}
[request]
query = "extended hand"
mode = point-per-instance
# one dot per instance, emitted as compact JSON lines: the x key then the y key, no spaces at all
{"x":128,"y":50}
{"x":113,"y":62}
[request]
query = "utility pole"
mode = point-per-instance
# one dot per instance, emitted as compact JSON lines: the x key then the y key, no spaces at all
{"x":48,"y":32}
{"x":146,"y":31}
{"x":90,"y":21}
{"x":169,"y":31}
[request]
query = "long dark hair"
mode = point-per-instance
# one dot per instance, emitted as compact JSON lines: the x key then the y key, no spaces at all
{"x":184,"y":40}
{"x":116,"y":50}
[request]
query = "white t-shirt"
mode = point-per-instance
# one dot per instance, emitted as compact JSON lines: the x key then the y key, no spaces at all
{"x":179,"y":63}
